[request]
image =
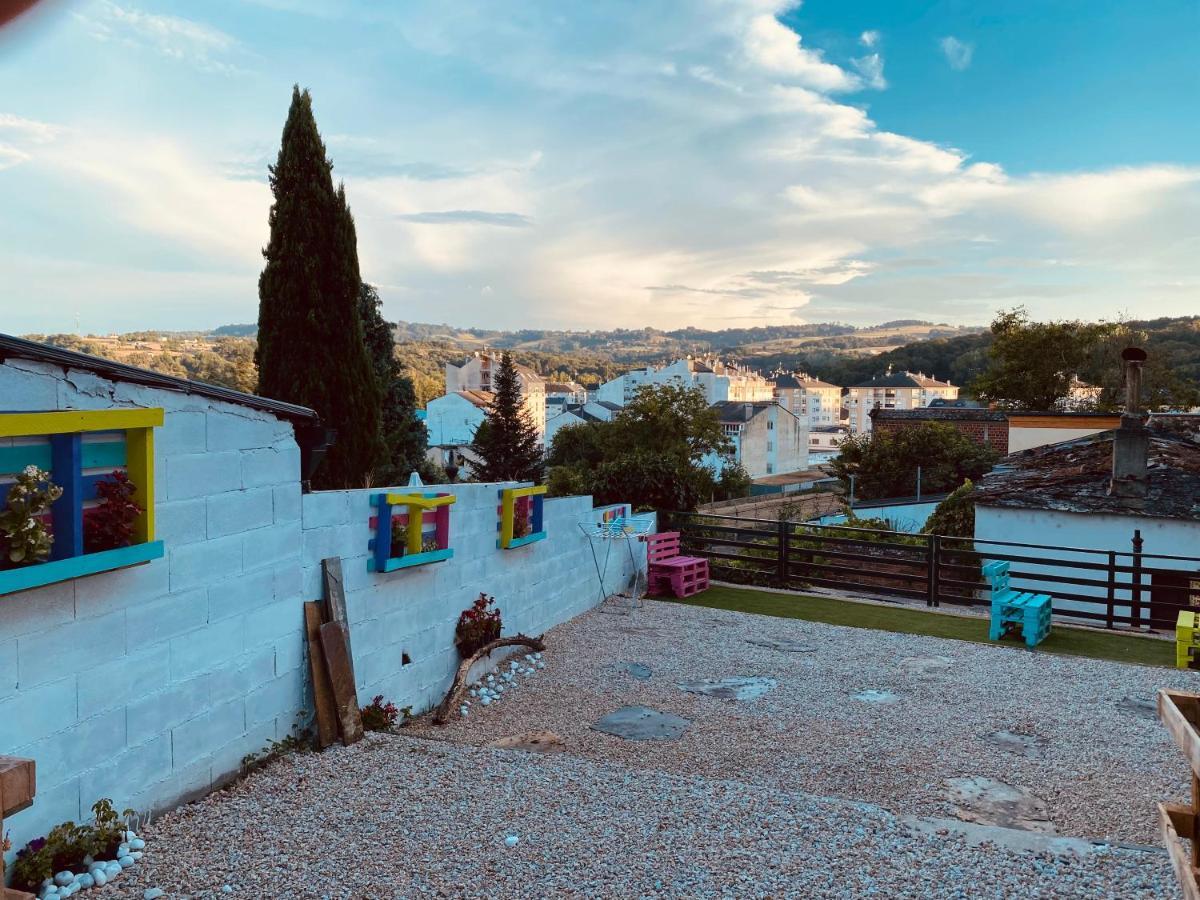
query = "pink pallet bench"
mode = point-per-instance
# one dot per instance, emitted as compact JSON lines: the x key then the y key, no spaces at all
{"x":683,"y":576}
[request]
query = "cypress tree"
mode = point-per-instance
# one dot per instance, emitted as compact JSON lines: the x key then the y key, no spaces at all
{"x":506,"y":441}
{"x":310,"y":336}
{"x":405,"y":439}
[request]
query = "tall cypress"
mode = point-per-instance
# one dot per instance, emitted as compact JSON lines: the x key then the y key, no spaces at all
{"x":506,"y":441}
{"x":310,"y":336}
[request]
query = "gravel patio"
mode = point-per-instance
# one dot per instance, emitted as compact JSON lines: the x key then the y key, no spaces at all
{"x":864,"y":769}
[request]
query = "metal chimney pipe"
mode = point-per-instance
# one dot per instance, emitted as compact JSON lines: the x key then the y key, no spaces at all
{"x":1131,"y":443}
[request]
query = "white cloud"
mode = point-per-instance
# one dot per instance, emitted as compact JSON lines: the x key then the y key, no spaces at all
{"x":869,"y":38}
{"x":870,"y":67}
{"x":20,"y":138}
{"x":175,"y":37}
{"x":958,"y":53}
{"x":776,"y":48}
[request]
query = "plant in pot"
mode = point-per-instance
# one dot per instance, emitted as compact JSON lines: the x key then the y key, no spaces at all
{"x":478,"y":625}
{"x":521,"y":524}
{"x":24,"y":538}
{"x":399,"y":538}
{"x":110,"y":525}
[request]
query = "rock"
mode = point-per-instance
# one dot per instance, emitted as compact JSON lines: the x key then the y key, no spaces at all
{"x":640,"y":671}
{"x":70,"y":890}
{"x":924,"y":666}
{"x":538,"y":741}
{"x":122,"y":850}
{"x":874,"y":696}
{"x":1030,"y":745}
{"x":136,"y":854}
{"x":88,"y":860}
{"x":511,"y":840}
{"x":99,"y":876}
{"x":152,"y":893}
{"x":1140,"y":706}
{"x":640,"y":723}
{"x":540,"y":664}
{"x":734,"y":688}
{"x":63,"y":878}
{"x":462,"y":710}
{"x":226,"y":889}
{"x":784,"y":645}
{"x":485,"y":700}
{"x":473,"y":692}
{"x":87,"y":880}
{"x":990,"y":802}
{"x":126,"y":861}
{"x":129,"y":836}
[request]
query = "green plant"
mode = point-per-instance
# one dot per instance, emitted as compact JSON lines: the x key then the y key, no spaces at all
{"x":478,"y":626}
{"x":24,"y":536}
{"x":110,"y":525}
{"x":954,"y":516}
{"x":67,"y":845}
{"x":521,"y":524}
{"x":299,"y":740}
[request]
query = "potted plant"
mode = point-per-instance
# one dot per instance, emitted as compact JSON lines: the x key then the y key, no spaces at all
{"x":110,"y":525}
{"x":399,"y":538}
{"x":24,"y":537}
{"x":521,"y":524}
{"x":478,"y":626}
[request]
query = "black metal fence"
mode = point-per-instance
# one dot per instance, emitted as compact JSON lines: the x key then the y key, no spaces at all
{"x":1109,"y":587}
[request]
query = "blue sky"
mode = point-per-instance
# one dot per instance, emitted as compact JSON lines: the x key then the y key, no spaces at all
{"x":617,"y":164}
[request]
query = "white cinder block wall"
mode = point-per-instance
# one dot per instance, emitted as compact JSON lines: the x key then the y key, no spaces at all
{"x":148,"y":685}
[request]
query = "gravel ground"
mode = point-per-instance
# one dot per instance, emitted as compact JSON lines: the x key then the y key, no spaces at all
{"x":744,"y":804}
{"x":397,"y":816}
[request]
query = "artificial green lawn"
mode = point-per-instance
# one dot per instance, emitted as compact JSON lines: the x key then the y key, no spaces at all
{"x":1069,"y":641}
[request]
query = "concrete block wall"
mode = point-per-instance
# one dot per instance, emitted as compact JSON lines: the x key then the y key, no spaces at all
{"x":148,"y":685}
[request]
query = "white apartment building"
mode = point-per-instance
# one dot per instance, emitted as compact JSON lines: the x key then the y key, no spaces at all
{"x":818,"y":402}
{"x":894,"y":390}
{"x":476,"y":374}
{"x":767,"y":439}
{"x":719,"y":380}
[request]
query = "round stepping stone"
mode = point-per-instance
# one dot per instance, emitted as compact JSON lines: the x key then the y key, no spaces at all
{"x":783,"y":645}
{"x":639,"y":671}
{"x":1030,"y":745}
{"x":538,"y":741}
{"x":874,"y":696}
{"x":640,"y":723}
{"x":735,"y":688}
{"x":990,"y":802}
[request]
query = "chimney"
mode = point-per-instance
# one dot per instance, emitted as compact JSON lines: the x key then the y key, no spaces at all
{"x":1131,"y":444}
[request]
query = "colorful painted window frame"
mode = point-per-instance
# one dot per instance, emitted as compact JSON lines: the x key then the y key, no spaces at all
{"x":526,"y":501}
{"x":420,"y":510}
{"x":82,"y":447}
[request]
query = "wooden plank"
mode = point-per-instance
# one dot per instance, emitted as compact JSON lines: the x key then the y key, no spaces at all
{"x":66,"y":463}
{"x":139,"y":465}
{"x":67,"y":421}
{"x":323,"y":702}
{"x":12,"y":580}
{"x":337,"y":662}
{"x":1178,"y":711}
{"x":335,"y":591}
{"x":18,"y":784}
{"x":1185,"y":873}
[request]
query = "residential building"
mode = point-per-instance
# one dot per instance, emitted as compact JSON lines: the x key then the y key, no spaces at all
{"x":451,"y":419}
{"x":478,"y":372}
{"x":894,"y":390}
{"x":1081,"y":396}
{"x":816,"y":401}
{"x":1006,"y":431}
{"x":578,"y":414}
{"x":767,"y":439}
{"x":720,"y":381}
{"x":824,"y":443}
{"x":560,"y":395}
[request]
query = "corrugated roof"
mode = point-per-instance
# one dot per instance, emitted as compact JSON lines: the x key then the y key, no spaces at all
{"x":18,"y":348}
{"x":1074,"y":476}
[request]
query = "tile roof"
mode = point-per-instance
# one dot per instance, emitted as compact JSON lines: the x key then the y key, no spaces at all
{"x":791,"y":382}
{"x":939,"y":414}
{"x":903,"y":380}
{"x":740,"y":411}
{"x":1073,"y":476}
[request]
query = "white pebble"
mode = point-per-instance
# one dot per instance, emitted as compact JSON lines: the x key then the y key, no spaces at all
{"x":511,"y":840}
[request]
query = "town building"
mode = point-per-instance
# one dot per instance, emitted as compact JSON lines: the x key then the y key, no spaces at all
{"x":824,"y":443}
{"x":578,"y":414}
{"x":818,"y":402}
{"x":767,"y":439}
{"x":1005,"y":431}
{"x":720,"y":381}
{"x":894,"y":390}
{"x":451,"y":419}
{"x":561,"y":394}
{"x":478,"y":372}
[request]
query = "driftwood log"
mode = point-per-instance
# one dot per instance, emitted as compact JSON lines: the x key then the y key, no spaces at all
{"x":464,"y":670}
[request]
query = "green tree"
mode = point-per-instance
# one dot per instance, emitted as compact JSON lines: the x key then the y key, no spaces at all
{"x":506,"y":442}
{"x":404,"y":437}
{"x":884,"y":464}
{"x":954,"y":516}
{"x":310,"y":339}
{"x":1030,"y":364}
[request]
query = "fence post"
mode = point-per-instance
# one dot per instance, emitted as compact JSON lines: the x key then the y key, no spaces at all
{"x":1112,"y":587}
{"x":782,"y":555}
{"x":935,"y":560}
{"x":1135,"y":611}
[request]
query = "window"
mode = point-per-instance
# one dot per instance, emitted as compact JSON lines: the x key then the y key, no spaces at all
{"x":770,"y":447}
{"x":770,"y":469}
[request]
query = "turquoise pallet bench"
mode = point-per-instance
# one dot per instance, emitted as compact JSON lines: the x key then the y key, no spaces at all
{"x":1014,"y":611}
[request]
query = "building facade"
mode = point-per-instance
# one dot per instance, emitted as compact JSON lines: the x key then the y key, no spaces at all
{"x":720,"y":381}
{"x":817,"y":402}
{"x":767,"y":439}
{"x":894,"y":390}
{"x":478,"y":373}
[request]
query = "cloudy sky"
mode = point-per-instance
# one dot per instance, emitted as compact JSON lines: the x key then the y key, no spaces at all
{"x":610,"y":164}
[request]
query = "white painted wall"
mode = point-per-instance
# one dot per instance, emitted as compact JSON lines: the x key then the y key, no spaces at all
{"x":451,"y":420}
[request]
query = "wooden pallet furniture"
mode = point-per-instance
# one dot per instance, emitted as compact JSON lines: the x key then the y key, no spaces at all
{"x":18,"y":784}
{"x":1187,"y":640}
{"x":1013,"y":611}
{"x":1180,"y":713}
{"x":683,"y":576}
{"x":521,"y":516}
{"x":425,"y":524}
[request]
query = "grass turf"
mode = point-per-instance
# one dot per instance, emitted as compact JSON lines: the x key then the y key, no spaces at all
{"x":1068,"y":641}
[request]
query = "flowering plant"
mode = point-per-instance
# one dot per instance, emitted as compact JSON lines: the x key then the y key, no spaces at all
{"x":379,"y":716}
{"x":110,"y":525}
{"x":24,"y":537}
{"x":478,"y":625}
{"x":521,"y":524}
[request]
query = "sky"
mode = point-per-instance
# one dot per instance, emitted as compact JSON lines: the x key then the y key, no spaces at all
{"x":631,"y":163}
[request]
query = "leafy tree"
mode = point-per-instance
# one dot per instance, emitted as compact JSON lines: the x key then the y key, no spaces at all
{"x":404,"y":437}
{"x":954,"y":516}
{"x":310,"y":339}
{"x":884,"y":464}
{"x":506,"y":442}
{"x":1031,"y":363}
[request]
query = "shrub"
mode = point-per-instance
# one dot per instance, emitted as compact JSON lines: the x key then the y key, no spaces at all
{"x":378,"y":715}
{"x":954,"y":516}
{"x":66,"y":846}
{"x":478,"y":626}
{"x":110,"y":525}
{"x":24,"y":537}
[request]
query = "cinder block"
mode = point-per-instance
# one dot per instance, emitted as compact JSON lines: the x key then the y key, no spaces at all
{"x":62,"y":755}
{"x":235,"y":512}
{"x":206,"y":649}
{"x":180,"y":522}
{"x":125,"y":679}
{"x":8,"y":668}
{"x":124,"y":775}
{"x":70,"y":648}
{"x":287,"y":580}
{"x":271,"y":545}
{"x":338,"y":540}
{"x":25,"y":391}
{"x":182,"y":431}
{"x":38,"y":609}
{"x":241,"y":594}
{"x":271,"y":466}
{"x":197,"y":565}
{"x":203,"y":474}
{"x":290,"y":653}
{"x":273,"y":621}
{"x":237,"y":428}
{"x":321,"y":509}
{"x":287,"y":502}
{"x":109,"y":592}
{"x":160,"y":620}
{"x":155,"y":713}
{"x":33,"y":713}
{"x":53,"y":805}
{"x":242,"y":674}
{"x":200,"y":737}
{"x":282,"y":698}
{"x":226,"y":761}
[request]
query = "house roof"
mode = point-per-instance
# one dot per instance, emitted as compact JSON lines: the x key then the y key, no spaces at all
{"x":732,"y":412}
{"x":939,"y":414}
{"x":482,"y":399}
{"x":563,"y":387}
{"x":1074,"y":476}
{"x":903,"y":380}
{"x":791,"y":382}
{"x":607,"y":404}
{"x":19,"y":348}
